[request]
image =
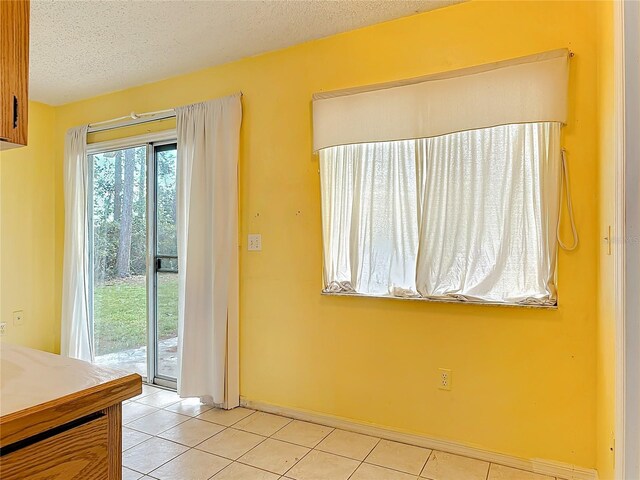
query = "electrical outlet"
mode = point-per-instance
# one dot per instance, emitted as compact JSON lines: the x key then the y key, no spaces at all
{"x":445,"y":379}
{"x":255,"y":242}
{"x":3,"y":328}
{"x":18,"y":317}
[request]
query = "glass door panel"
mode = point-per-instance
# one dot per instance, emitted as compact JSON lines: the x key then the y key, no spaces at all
{"x":166,"y":263}
{"x":118,"y":240}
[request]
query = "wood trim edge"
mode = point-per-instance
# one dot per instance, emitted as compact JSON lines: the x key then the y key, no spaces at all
{"x":39,"y":418}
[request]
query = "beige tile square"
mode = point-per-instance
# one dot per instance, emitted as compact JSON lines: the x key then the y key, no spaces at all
{"x":160,"y":399}
{"x":189,"y":406}
{"x":231,"y":443}
{"x":399,"y":456}
{"x":262,"y":423}
{"x":373,"y":472}
{"x":500,"y":472}
{"x":146,"y":390}
{"x":157,"y":422}
{"x":323,"y":466}
{"x":348,"y":444}
{"x":134,"y":410}
{"x":303,"y":433}
{"x":238,"y":471}
{"x":131,"y":438}
{"x":447,"y":466}
{"x":128,"y":474}
{"x":192,"y":465}
{"x":225,"y":417}
{"x":151,"y":454}
{"x":191,"y":432}
{"x":274,"y":456}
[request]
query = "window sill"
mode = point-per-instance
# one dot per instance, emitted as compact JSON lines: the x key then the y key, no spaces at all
{"x":443,"y":300}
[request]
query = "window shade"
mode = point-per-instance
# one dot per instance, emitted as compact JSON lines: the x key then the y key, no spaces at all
{"x":523,"y":90}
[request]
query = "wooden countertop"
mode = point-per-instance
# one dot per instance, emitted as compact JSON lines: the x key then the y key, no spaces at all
{"x":40,"y":391}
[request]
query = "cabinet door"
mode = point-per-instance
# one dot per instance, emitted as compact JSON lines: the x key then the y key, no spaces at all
{"x":14,"y":72}
{"x":80,"y":453}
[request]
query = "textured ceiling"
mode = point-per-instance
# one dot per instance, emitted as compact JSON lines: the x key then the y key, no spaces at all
{"x":84,"y":48}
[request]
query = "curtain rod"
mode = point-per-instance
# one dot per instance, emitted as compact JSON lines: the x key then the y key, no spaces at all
{"x":132,"y":119}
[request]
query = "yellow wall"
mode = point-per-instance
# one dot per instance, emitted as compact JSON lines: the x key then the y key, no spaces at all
{"x":27,"y":234}
{"x":606,"y":317}
{"x":524,"y":380}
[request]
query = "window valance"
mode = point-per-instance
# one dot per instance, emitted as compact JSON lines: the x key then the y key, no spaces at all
{"x":522,"y":90}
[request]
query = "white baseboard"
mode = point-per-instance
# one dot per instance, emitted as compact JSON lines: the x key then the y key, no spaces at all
{"x":545,"y":467}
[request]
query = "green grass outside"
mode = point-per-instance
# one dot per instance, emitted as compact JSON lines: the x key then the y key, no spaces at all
{"x":120,"y":312}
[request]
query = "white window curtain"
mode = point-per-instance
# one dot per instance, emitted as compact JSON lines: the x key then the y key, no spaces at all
{"x":76,"y":335}
{"x":466,"y":216}
{"x":369,"y":208}
{"x":207,"y":189}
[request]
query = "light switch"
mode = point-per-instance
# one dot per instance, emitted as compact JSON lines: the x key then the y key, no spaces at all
{"x":18,"y":317}
{"x":255,"y":242}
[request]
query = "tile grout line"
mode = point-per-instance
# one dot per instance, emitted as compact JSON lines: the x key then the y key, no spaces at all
{"x":252,"y":448}
{"x":187,"y":451}
{"x":190,"y":446}
{"x":355,"y":470}
{"x":261,"y":442}
{"x":162,"y":464}
{"x":310,"y":449}
{"x":297,"y":444}
{"x":344,"y":456}
{"x":264,"y":439}
{"x":296,"y":463}
{"x":365,"y":457}
{"x":257,"y":468}
{"x":128,"y":425}
{"x":425,"y":464}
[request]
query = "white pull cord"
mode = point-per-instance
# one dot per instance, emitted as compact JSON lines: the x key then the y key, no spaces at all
{"x":565,"y":186}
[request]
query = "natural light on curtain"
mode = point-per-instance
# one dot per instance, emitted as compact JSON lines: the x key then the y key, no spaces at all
{"x":465,"y":216}
{"x":207,"y":207}
{"x":76,"y":337}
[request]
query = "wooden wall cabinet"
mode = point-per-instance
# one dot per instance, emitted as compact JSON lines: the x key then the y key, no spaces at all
{"x":14,"y":72}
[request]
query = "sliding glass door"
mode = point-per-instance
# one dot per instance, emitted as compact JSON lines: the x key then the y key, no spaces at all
{"x":133,"y":251}
{"x":164,"y":245}
{"x":118,"y":250}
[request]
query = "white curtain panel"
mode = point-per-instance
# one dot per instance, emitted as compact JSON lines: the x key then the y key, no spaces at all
{"x":369,"y":208}
{"x":490,"y":210}
{"x":208,"y":144}
{"x":76,"y":337}
{"x":469,"y":216}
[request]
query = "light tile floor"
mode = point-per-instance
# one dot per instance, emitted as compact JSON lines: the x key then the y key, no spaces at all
{"x":167,"y":438}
